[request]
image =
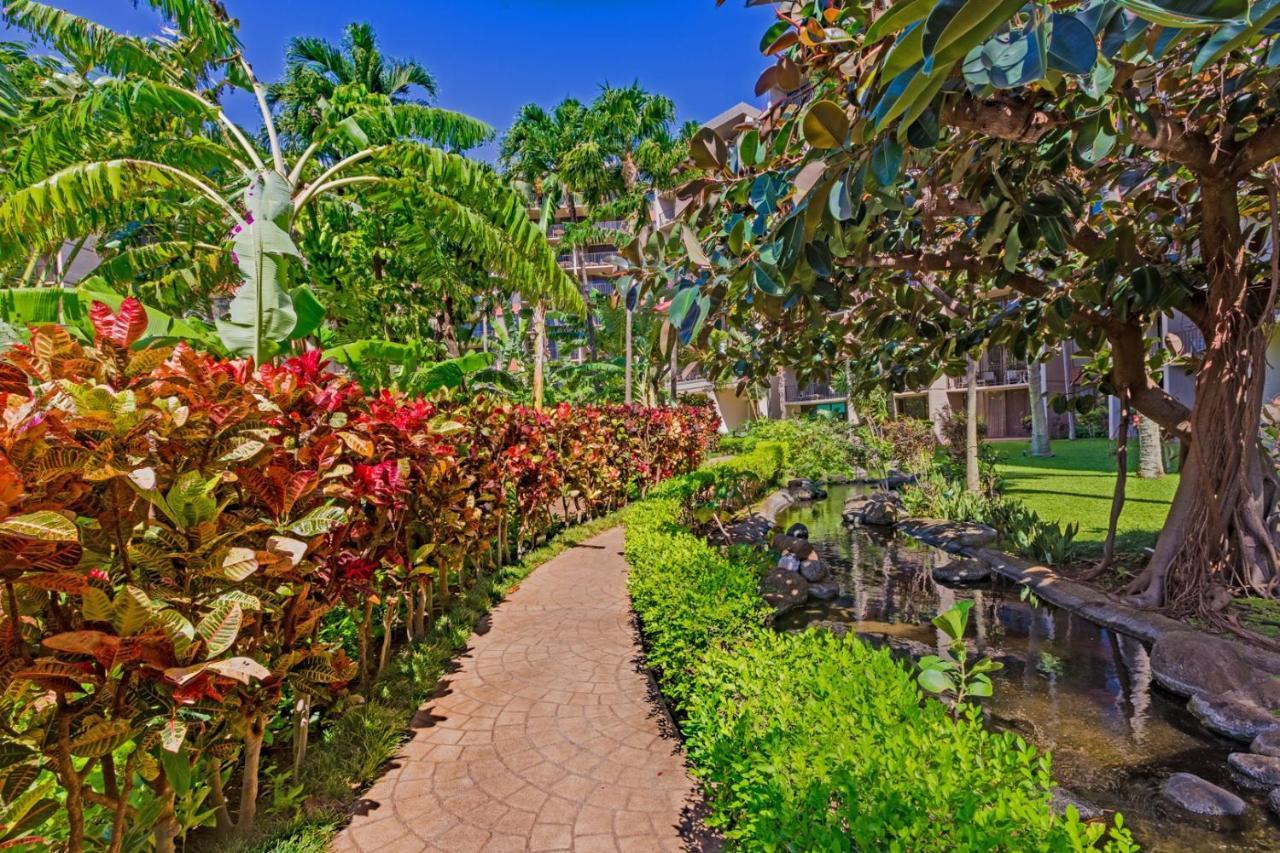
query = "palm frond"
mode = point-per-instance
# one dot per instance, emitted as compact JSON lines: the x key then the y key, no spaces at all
{"x":204,"y":20}
{"x":88,"y":126}
{"x":86,"y":44}
{"x":84,"y":199}
{"x":476,"y":195}
{"x":444,"y":128}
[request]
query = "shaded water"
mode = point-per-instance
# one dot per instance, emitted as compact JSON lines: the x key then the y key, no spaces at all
{"x":1069,"y":686}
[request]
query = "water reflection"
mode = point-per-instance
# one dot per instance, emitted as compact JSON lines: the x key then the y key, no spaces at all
{"x":1081,"y":691}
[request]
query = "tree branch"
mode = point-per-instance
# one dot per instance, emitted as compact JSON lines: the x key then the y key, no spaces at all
{"x":1017,"y":121}
{"x":1257,"y":151}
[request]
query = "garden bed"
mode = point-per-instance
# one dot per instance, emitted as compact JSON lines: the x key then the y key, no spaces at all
{"x":814,"y":741}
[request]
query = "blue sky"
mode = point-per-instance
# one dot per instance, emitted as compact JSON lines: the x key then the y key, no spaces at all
{"x":491,"y":57}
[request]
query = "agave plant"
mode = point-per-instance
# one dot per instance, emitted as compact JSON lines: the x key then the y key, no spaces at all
{"x":135,"y":137}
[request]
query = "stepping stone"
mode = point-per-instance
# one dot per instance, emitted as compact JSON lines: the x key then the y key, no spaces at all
{"x":1267,"y":743}
{"x":1201,"y":797}
{"x":1258,"y":771}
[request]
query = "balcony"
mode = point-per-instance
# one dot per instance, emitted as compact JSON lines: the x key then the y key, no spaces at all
{"x":996,"y":369}
{"x":590,"y":260}
{"x":810,"y":392}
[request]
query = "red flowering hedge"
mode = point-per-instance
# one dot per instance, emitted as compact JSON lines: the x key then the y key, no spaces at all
{"x":176,"y":529}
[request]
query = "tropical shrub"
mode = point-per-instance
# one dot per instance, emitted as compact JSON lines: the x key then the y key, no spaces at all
{"x":200,"y":557}
{"x":813,"y":742}
{"x":817,"y":448}
{"x":913,"y":442}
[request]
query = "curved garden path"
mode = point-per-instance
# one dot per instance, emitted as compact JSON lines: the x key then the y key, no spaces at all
{"x":548,"y":736}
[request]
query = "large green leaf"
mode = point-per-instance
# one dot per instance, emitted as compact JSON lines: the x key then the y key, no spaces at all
{"x":262,"y":312}
{"x":1189,"y":13}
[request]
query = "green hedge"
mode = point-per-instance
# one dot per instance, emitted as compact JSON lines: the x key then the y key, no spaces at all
{"x":812,"y":742}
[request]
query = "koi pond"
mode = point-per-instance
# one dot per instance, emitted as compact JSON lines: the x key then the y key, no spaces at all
{"x":1081,"y":691}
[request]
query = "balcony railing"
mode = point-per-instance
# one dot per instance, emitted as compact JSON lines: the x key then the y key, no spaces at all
{"x":988,"y":378}
{"x":589,"y":259}
{"x":810,"y":392}
{"x":1186,"y":332}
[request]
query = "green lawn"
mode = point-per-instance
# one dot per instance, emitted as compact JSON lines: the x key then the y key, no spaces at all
{"x":1075,"y":485}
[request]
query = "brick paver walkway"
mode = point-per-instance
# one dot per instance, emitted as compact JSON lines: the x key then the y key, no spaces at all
{"x":548,"y":736}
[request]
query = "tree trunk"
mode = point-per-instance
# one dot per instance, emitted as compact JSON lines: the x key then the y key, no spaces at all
{"x":1117,"y":498}
{"x":1040,"y":445}
{"x":629,"y":358}
{"x":1150,"y":450}
{"x":675,"y":365}
{"x":972,"y":475}
{"x":850,"y":415}
{"x":249,"y":782}
{"x":584,"y":284}
{"x":539,"y":354}
{"x":1216,"y":537}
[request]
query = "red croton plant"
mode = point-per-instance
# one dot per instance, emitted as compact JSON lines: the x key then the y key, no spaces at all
{"x":176,"y":529}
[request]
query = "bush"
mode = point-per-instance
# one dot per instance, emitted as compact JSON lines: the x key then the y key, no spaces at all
{"x":817,"y":448}
{"x":812,"y":742}
{"x":912,"y":442}
{"x":195,"y":551}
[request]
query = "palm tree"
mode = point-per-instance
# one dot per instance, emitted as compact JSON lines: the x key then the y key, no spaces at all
{"x":636,"y":126}
{"x":315,"y":69}
{"x":84,"y":168}
{"x":557,"y":154}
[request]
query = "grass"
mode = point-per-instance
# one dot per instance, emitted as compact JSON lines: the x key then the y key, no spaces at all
{"x":1075,"y":486}
{"x":353,"y":751}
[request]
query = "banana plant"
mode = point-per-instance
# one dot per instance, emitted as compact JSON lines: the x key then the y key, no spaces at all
{"x":84,"y":167}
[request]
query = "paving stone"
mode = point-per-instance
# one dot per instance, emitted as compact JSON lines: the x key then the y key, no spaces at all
{"x":547,"y":736}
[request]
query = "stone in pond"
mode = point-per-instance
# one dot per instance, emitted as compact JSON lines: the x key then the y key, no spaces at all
{"x":788,"y":563}
{"x":813,"y":569}
{"x":1191,"y":663}
{"x":1200,"y":797}
{"x":784,"y":590}
{"x":803,"y":489}
{"x":1273,"y":801}
{"x":823,"y":591}
{"x":950,"y":535}
{"x":798,"y":531}
{"x":1258,"y":771}
{"x":787,"y":544}
{"x":1232,"y":716}
{"x":1267,"y":743}
{"x":879,"y":509}
{"x":1060,"y":798}
{"x":962,"y":572}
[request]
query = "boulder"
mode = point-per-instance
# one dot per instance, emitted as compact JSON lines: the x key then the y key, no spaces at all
{"x":1060,"y":798}
{"x":824,"y":591}
{"x":798,"y":531}
{"x":880,"y":509}
{"x":1258,"y":771}
{"x":1200,"y":797}
{"x":963,"y":571}
{"x":784,"y":590}
{"x":950,"y":535}
{"x":898,"y":479}
{"x":752,"y":530}
{"x":1191,"y":663}
{"x":813,"y":569}
{"x":803,"y":489}
{"x":1232,"y":716}
{"x":788,"y":563}
{"x":1273,"y":802}
{"x":778,"y":502}
{"x":784,"y":544}
{"x":1267,"y":743}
